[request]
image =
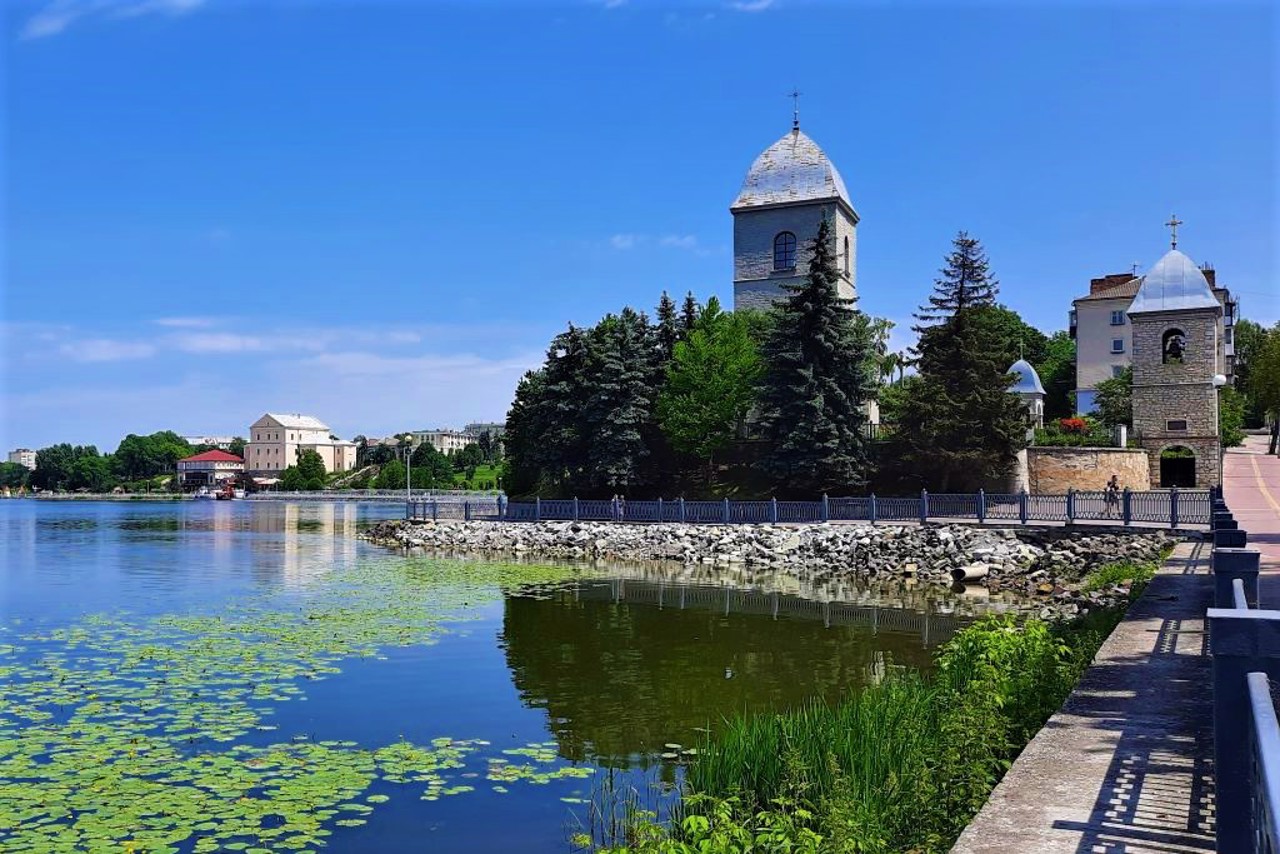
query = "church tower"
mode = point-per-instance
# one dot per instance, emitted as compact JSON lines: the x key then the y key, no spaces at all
{"x":1177,"y":371}
{"x":789,"y":190}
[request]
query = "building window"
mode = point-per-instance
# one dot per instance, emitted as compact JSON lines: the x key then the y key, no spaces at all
{"x":784,"y":251}
{"x":1117,"y":345}
{"x":1117,"y":318}
{"x":1173,"y":346}
{"x":1176,"y":425}
{"x":848,"y":258}
{"x":1117,"y":370}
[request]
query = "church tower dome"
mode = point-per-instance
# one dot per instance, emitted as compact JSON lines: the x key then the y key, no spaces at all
{"x":792,"y":170}
{"x":788,"y":191}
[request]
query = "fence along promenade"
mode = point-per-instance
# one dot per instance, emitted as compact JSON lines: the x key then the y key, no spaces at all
{"x":1172,"y":508}
{"x":1244,"y":641}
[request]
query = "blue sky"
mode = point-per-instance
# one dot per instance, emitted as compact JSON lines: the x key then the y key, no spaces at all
{"x":378,"y":213}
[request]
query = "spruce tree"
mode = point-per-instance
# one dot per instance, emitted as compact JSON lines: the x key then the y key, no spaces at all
{"x":669,"y":328}
{"x":817,"y":381}
{"x":619,"y":402}
{"x":960,"y":427}
{"x":688,"y":314}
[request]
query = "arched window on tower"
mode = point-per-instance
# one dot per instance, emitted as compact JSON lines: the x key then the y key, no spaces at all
{"x":848,"y":259}
{"x":1173,"y":346}
{"x":784,"y":251}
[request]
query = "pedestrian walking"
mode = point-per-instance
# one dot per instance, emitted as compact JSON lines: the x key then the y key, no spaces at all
{"x":1111,"y":497}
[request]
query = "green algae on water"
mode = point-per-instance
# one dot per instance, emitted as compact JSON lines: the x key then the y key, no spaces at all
{"x":123,"y":733}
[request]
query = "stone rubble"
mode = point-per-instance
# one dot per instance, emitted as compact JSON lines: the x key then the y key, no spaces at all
{"x":1046,"y":564}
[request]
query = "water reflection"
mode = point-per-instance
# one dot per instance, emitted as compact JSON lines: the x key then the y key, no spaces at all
{"x":619,"y":676}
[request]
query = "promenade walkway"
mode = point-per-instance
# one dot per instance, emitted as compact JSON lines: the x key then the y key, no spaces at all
{"x":1251,"y":485}
{"x":1126,"y":764}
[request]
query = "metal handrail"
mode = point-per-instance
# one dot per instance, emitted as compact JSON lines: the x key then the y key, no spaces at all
{"x":1266,"y":762}
{"x":1237,"y":595}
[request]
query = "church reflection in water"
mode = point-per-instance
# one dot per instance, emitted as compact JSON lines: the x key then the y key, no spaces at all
{"x":624,"y":665}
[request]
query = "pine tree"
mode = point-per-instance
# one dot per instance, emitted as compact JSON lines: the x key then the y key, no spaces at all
{"x":960,"y":427}
{"x":669,"y":327}
{"x":688,"y":314}
{"x":816,"y":383}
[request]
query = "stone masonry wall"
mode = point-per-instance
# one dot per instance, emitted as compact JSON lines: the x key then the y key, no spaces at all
{"x":1177,"y":391}
{"x":1055,"y":470}
{"x":756,"y":284}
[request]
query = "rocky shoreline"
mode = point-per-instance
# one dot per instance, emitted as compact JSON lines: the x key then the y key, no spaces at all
{"x":1046,"y":565}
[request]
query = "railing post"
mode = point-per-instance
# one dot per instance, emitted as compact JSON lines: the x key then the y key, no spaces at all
{"x":408,"y":510}
{"x":613,"y":508}
{"x":1071,"y":505}
{"x":873,"y":508}
{"x":575,"y":508}
{"x":826,"y":509}
{"x":726,"y":511}
{"x":1229,"y":565}
{"x":1022,"y":507}
{"x":773,"y":510}
{"x":466,"y":511}
{"x":1126,"y":504}
{"x":982,"y":506}
{"x":1173,"y":507}
{"x":435,"y":509}
{"x":1241,"y":642}
{"x":924,"y":506}
{"x":681,"y":509}
{"x":537,"y":508}
{"x":659,"y":508}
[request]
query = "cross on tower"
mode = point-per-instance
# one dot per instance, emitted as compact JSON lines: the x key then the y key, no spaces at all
{"x":795,"y":118}
{"x":1173,"y":224}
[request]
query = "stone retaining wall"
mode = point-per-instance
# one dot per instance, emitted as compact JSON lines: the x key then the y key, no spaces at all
{"x":1053,"y":470}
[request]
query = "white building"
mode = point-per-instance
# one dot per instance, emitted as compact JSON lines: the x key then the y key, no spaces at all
{"x":222,"y":443}
{"x":1104,"y":338}
{"x":275,"y":441}
{"x":788,"y":191}
{"x":445,"y":441}
{"x":495,"y":429}
{"x":23,"y":457}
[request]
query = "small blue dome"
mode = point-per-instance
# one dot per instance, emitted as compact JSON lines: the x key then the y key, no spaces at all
{"x":1028,"y":380}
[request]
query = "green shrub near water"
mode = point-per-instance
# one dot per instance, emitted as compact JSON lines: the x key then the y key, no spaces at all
{"x":901,"y":766}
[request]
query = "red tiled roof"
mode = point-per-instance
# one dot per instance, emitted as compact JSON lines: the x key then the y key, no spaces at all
{"x":213,"y":457}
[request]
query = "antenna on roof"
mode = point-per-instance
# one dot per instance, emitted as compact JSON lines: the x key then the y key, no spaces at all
{"x":795,"y":116}
{"x":1135,"y":265}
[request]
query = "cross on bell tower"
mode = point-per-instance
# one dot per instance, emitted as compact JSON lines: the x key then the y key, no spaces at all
{"x":795,"y":116}
{"x":1173,"y":224}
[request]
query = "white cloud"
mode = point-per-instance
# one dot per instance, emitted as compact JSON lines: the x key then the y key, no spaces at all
{"x":106,"y":350}
{"x":55,"y":17}
{"x":625,"y":241}
{"x":751,"y":5}
{"x":186,"y":322}
{"x":679,"y":241}
{"x":217,"y":342}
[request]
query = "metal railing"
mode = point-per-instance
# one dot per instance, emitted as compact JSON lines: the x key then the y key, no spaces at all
{"x":1244,"y":641}
{"x":1173,"y":508}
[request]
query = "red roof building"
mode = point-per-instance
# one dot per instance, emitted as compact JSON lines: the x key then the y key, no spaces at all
{"x":209,"y":468}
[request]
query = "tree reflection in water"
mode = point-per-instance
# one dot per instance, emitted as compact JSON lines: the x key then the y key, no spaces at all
{"x":621,"y":679}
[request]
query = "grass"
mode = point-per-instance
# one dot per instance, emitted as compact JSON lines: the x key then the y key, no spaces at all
{"x":1118,"y":573}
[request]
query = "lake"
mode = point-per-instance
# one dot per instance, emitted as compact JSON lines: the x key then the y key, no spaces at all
{"x":249,"y":676}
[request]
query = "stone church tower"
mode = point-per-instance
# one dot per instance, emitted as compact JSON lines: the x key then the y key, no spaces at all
{"x":1177,"y":370}
{"x":790,"y":188}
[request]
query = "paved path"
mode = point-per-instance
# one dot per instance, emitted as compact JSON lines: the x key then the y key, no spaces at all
{"x":1251,"y":486}
{"x":1126,"y":764}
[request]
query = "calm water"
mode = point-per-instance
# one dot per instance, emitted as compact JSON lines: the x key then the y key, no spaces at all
{"x":601,"y":667}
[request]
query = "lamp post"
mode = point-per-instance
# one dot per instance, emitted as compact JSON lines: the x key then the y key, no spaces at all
{"x":1219,"y":380}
